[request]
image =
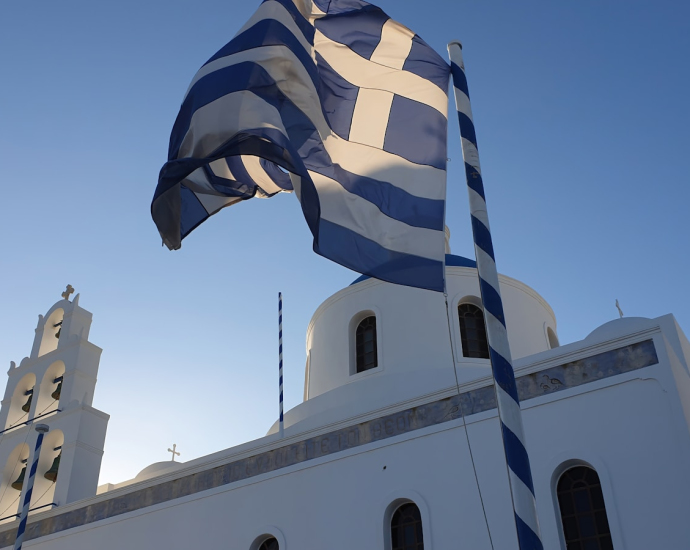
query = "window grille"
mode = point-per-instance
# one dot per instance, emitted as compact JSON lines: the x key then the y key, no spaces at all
{"x":583,"y":513}
{"x":406,"y":528}
{"x":473,"y":332}
{"x":366,"y":348}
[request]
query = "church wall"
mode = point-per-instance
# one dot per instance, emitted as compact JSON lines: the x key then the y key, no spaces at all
{"x":628,"y":427}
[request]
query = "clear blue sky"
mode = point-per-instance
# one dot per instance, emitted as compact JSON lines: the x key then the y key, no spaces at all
{"x":582,"y":117}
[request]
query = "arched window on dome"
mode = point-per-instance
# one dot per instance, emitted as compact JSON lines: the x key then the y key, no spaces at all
{"x":406,"y":528}
{"x":269,"y":544}
{"x":553,"y":339}
{"x":366,"y":352}
{"x":473,"y":332}
{"x":583,"y":513}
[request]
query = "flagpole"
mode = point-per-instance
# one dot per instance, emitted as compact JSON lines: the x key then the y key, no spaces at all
{"x":519,"y":472}
{"x":280,"y":361}
{"x":41,"y":429}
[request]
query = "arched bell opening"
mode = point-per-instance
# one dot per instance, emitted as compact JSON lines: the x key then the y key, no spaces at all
{"x":50,"y":390}
{"x":52,"y":329}
{"x":48,"y":470}
{"x":12,"y":481}
{"x":21,"y":401}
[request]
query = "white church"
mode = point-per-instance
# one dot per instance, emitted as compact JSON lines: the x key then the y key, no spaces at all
{"x":396,"y":445}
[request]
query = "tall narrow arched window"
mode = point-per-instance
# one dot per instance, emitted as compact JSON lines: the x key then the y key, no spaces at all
{"x":269,"y":544}
{"x":473,"y":332}
{"x":365,"y":344}
{"x":406,"y":528}
{"x":583,"y":513}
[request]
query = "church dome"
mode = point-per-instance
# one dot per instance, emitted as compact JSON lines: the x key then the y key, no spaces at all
{"x":623,"y":325}
{"x":158,"y":468}
{"x":418,"y":343}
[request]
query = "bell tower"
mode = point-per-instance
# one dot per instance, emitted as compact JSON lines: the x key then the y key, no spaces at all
{"x":53,"y":386}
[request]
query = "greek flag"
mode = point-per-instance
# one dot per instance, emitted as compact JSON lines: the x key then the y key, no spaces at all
{"x":337,"y":102}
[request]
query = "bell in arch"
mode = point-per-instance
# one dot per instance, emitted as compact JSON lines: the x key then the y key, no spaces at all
{"x":19,"y":482}
{"x":57,"y":334}
{"x":27,"y":406}
{"x":53,"y":472}
{"x":56,"y":394}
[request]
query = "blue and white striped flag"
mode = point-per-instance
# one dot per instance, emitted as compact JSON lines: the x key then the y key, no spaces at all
{"x":338,"y":102}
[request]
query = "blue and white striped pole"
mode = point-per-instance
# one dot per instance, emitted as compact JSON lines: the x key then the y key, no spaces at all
{"x":280,"y":359}
{"x":41,"y":429}
{"x":519,"y":473}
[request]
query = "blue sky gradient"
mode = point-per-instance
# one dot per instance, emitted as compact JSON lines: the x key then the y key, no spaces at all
{"x":582,"y":120}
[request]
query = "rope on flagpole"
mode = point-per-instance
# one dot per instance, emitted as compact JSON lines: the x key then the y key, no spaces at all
{"x":517,"y":460}
{"x":280,"y":360}
{"x":41,"y":429}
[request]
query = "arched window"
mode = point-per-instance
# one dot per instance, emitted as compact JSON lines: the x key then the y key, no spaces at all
{"x":406,"y":528}
{"x":583,"y":513}
{"x":269,"y":544}
{"x":473,"y":332}
{"x":553,"y":339}
{"x":365,"y":344}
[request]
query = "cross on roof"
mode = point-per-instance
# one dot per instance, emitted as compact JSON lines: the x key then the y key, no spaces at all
{"x":69,"y":290}
{"x":173,"y":451}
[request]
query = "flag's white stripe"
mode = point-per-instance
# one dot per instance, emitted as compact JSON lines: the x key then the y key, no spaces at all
{"x":213,"y":204}
{"x":364,"y":218}
{"x":365,"y":74}
{"x":524,"y":500}
{"x":225,"y":114}
{"x":258,"y":174}
{"x":221,"y":169}
{"x":370,"y":117}
{"x":251,"y":55}
{"x":395,"y":45}
{"x":462,"y":103}
{"x":218,"y":121}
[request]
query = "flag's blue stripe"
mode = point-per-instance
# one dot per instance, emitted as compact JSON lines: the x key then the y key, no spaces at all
{"x":518,"y":461}
{"x":267,"y":32}
{"x":337,"y":7}
{"x":304,"y":25}
{"x":459,"y":79}
{"x":394,"y":202}
{"x":503,"y":374}
{"x":474,"y":180}
{"x":361,"y":254}
{"x":359,"y":30}
{"x":267,"y":143}
{"x":192,"y":212}
{"x":242,"y":186}
{"x":528,"y":539}
{"x":280,"y":178}
{"x":467,"y":128}
{"x":482,"y":237}
{"x":425,"y":62}
{"x":237,"y":78}
{"x":492,"y":301}
{"x":338,"y":97}
{"x":417,"y":133}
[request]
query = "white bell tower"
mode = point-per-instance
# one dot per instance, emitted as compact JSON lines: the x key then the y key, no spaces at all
{"x":54,"y":386}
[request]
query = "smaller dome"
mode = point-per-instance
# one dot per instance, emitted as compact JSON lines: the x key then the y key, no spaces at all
{"x":619,"y":326}
{"x":158,"y":468}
